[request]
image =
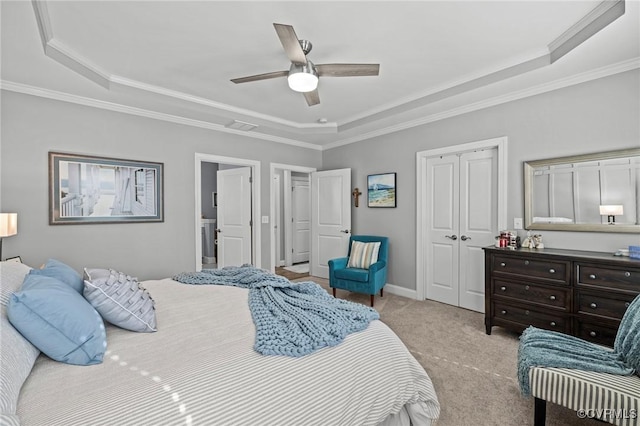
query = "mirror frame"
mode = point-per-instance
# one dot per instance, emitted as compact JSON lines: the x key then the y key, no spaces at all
{"x":529,"y":167}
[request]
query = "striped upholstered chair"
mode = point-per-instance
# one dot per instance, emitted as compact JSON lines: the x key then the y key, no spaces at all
{"x":597,"y":382}
{"x":364,"y":270}
{"x":608,"y":397}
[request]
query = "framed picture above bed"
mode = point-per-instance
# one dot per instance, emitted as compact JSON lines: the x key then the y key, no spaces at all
{"x":86,"y":189}
{"x":381,"y":190}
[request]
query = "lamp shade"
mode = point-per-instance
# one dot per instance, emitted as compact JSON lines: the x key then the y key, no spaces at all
{"x":303,"y":78}
{"x":611,"y":210}
{"x":8,"y":224}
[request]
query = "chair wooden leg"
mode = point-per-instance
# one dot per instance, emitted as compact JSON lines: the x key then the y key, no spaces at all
{"x":540,"y":412}
{"x":334,"y":291}
{"x":372,"y":296}
{"x":381,"y":292}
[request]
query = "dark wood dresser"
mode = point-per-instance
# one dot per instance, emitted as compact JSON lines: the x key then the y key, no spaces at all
{"x":581,"y":293}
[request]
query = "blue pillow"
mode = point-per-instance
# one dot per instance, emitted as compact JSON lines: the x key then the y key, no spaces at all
{"x":56,"y":269}
{"x":58,"y":321}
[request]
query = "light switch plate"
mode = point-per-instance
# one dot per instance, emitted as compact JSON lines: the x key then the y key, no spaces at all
{"x":517,"y":223}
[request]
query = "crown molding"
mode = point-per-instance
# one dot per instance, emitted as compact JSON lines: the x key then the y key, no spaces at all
{"x":584,"y":77}
{"x":125,"y":109}
{"x":602,"y":15}
{"x":231,"y":111}
{"x":602,"y":72}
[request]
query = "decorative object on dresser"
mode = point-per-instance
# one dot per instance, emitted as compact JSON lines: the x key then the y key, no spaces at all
{"x":582,"y":293}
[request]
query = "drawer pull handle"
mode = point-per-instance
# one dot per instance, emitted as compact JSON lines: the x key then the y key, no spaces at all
{"x":503,"y":312}
{"x":503,"y":264}
{"x":626,"y":304}
{"x":526,"y":312}
{"x":503,"y":288}
{"x":592,"y":276}
{"x":593,"y":334}
{"x":552,"y":271}
{"x":552,"y":323}
{"x":526,"y":262}
{"x":593,"y":305}
{"x":526,"y":287}
{"x":552,"y":297}
{"x":627,"y":274}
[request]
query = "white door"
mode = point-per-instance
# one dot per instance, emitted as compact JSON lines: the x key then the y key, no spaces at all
{"x":478,"y":222}
{"x":301,"y":220}
{"x":234,"y":217}
{"x":331,"y":218}
{"x":462,"y":218}
{"x":442,"y":253}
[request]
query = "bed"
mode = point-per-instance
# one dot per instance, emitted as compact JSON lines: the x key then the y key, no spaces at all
{"x":200,"y":368}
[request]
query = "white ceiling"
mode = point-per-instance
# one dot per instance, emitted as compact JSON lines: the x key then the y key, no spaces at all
{"x":173,"y":59}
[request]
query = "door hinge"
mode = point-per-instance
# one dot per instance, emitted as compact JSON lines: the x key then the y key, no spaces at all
{"x":251,"y":223}
{"x":250,"y":179}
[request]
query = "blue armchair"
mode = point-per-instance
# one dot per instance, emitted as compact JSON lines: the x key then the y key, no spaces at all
{"x":367,"y":281}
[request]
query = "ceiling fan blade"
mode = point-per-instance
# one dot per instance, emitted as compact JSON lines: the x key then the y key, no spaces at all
{"x":313,"y":98}
{"x":347,"y":70}
{"x":291,"y":44}
{"x":257,"y":77}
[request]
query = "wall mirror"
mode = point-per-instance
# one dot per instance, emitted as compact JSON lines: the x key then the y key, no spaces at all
{"x":593,"y":192}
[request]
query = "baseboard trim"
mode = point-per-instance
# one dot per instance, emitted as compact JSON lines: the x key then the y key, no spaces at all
{"x":401,"y":291}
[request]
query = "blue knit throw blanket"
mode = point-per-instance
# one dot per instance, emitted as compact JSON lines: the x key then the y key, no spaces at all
{"x":292,"y":319}
{"x":543,"y":348}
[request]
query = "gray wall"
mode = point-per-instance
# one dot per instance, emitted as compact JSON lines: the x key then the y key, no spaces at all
{"x":209,"y":185}
{"x":32,"y":126}
{"x":590,"y":117}
{"x":596,"y":116}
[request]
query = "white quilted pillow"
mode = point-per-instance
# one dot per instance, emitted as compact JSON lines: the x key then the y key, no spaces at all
{"x":120,"y":299}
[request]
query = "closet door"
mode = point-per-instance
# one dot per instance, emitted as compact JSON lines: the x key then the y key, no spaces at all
{"x":443,"y":228}
{"x":462,"y":218}
{"x":478,"y":223}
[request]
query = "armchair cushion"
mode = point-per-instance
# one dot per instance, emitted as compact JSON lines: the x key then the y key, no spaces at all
{"x":363,"y":254}
{"x":353,"y":274}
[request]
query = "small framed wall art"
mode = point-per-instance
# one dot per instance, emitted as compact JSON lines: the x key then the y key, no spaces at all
{"x":85,"y":189}
{"x":381,"y":190}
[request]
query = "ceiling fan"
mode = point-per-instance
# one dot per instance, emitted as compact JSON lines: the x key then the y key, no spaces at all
{"x":303,"y":74}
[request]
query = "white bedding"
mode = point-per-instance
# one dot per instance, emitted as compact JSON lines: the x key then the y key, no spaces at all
{"x":200,"y":368}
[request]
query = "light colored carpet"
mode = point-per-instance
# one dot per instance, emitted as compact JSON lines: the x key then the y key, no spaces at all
{"x":474,"y":374}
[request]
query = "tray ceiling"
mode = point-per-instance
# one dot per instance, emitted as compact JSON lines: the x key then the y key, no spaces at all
{"x":174,"y":60}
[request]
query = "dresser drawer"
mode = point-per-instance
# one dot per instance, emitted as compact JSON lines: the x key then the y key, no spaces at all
{"x":504,"y":312}
{"x":555,"y":297}
{"x":554,"y":271}
{"x":623,"y":278}
{"x":603,"y":334}
{"x":611,"y":305}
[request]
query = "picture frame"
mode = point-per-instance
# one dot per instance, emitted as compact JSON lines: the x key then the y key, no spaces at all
{"x":85,"y":189}
{"x":381,"y":190}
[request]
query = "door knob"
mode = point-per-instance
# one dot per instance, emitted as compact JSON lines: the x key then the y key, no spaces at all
{"x":452,"y":237}
{"x":345,"y":231}
{"x":218,"y":231}
{"x":465,"y":238}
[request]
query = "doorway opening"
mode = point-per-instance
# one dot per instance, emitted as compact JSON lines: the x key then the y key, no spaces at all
{"x":291,"y":220}
{"x":227,"y":230}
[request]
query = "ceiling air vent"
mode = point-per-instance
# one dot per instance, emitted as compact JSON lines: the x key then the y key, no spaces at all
{"x":241,"y":125}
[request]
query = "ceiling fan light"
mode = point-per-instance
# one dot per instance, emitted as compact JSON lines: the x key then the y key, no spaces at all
{"x":303,"y":78}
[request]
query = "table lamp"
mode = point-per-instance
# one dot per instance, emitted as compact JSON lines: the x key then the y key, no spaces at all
{"x":8,"y":227}
{"x":611,"y":211}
